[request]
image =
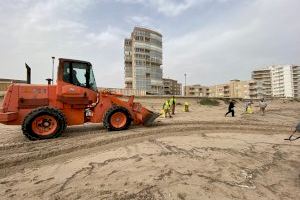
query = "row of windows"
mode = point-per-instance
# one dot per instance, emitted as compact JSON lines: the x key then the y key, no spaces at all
{"x":142,"y":33}
{"x":147,"y":58}
{"x":140,"y":62}
{"x":150,"y":40}
{"x":147,"y":50}
{"x":147,"y":63}
{"x":143,"y":75}
{"x":142,"y":56}
{"x":142,"y":50}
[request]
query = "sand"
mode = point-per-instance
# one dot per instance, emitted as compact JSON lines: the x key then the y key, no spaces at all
{"x":195,"y":155}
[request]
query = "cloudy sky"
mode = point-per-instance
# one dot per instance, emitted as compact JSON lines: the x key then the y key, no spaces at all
{"x":212,"y":41}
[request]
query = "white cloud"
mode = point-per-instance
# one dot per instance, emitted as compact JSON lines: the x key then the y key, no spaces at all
{"x":226,"y":45}
{"x":166,"y":7}
{"x":263,"y":33}
{"x":140,"y":21}
{"x":172,"y":7}
{"x":33,"y":33}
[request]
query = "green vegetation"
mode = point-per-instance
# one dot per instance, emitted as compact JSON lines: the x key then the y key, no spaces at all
{"x":209,"y":102}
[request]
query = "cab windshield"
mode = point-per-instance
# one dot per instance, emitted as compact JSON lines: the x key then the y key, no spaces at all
{"x":79,"y":74}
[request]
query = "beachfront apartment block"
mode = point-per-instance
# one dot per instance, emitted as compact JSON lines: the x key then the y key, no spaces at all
{"x":5,"y":83}
{"x":285,"y":80}
{"x":196,"y":91}
{"x":234,"y":89}
{"x":261,"y":85}
{"x":220,"y":90}
{"x":171,"y":87}
{"x":276,"y":81}
{"x":143,"y":60}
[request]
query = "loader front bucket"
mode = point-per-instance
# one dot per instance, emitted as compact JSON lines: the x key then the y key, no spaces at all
{"x":143,"y":115}
{"x":149,"y":119}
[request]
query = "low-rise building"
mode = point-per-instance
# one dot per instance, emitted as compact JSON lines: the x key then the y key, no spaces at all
{"x":233,"y":89}
{"x":125,"y":92}
{"x":4,"y":83}
{"x":239,"y":89}
{"x":171,"y":87}
{"x":196,"y":90}
{"x":220,"y":90}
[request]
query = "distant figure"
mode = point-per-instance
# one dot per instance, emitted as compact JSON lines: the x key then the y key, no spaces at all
{"x":173,"y":104}
{"x":230,"y":108}
{"x":186,"y":107}
{"x":166,"y":108}
{"x":247,"y":103}
{"x":292,"y":137}
{"x":262,"y":106}
{"x":249,"y":108}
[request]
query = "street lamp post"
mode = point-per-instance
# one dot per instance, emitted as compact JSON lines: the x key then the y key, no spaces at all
{"x":52,"y":68}
{"x":184,"y":84}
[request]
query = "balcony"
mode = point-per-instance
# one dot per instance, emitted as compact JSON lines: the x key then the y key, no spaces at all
{"x":128,"y":79}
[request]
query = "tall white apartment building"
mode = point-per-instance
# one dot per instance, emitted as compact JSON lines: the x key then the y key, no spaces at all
{"x":143,"y":60}
{"x":285,"y":80}
{"x":282,"y":85}
{"x":276,"y":81}
{"x":296,"y":81}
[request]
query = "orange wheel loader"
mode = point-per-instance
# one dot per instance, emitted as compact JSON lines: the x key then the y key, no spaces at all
{"x":44,"y":111}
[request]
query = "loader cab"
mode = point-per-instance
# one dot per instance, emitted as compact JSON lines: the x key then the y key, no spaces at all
{"x":79,"y":73}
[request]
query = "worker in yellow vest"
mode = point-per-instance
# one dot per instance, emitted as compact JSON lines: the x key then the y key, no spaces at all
{"x":166,"y":108}
{"x":173,"y":104}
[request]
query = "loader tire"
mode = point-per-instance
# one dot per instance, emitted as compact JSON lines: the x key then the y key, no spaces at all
{"x":117,"y":118}
{"x":44,"y":123}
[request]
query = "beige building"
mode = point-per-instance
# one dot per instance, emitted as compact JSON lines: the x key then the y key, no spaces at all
{"x":171,"y":87}
{"x":4,"y":83}
{"x":261,"y":85}
{"x":255,"y":90}
{"x":125,"y":92}
{"x":239,"y":89}
{"x":143,"y":60}
{"x":220,"y":90}
{"x":233,"y":89}
{"x":196,"y":90}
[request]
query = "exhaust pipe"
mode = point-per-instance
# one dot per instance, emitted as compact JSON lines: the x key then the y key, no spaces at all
{"x":49,"y":80}
{"x":28,"y":80}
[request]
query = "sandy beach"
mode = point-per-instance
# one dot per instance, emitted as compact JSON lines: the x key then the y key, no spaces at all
{"x":196,"y":155}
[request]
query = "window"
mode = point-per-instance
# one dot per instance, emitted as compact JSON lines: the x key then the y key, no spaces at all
{"x":79,"y":74}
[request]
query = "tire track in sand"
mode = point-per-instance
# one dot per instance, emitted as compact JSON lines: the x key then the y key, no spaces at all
{"x":21,"y":153}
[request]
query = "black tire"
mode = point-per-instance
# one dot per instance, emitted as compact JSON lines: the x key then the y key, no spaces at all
{"x":107,"y":118}
{"x":56,"y":114}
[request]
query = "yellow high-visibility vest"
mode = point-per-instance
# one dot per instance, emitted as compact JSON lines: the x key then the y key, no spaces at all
{"x":166,"y":105}
{"x":172,"y":101}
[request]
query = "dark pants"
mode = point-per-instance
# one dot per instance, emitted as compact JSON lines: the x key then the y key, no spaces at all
{"x":230,"y":111}
{"x":173,"y":109}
